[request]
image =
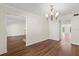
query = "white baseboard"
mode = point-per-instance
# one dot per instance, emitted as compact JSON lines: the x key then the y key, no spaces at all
{"x":2,"y":52}
{"x":28,"y":44}
{"x":75,"y":43}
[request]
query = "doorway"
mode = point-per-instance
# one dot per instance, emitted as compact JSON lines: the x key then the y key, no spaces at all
{"x":66,"y":32}
{"x":65,"y":42}
{"x":16,"y":32}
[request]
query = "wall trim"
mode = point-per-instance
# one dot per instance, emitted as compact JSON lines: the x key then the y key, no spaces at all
{"x":2,"y":52}
{"x":74,"y":43}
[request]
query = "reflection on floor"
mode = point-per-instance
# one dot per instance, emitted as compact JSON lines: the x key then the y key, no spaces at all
{"x":45,"y":48}
{"x":66,"y":43}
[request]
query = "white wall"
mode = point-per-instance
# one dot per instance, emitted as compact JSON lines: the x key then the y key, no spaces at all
{"x":54,"y":29}
{"x":75,"y":30}
{"x":37,"y":29}
{"x":3,"y":40}
{"x":15,"y":29}
{"x":15,"y":25}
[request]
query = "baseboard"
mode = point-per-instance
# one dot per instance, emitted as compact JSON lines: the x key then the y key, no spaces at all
{"x":2,"y":52}
{"x":16,"y":36}
{"x":29,"y":44}
{"x":74,"y":43}
{"x":55,"y":39}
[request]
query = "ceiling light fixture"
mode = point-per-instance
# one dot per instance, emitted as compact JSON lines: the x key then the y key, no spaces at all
{"x":52,"y":14}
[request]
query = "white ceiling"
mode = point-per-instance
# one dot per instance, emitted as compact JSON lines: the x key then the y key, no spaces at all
{"x":43,"y":8}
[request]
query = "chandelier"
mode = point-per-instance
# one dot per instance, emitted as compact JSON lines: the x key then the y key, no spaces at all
{"x":52,"y":14}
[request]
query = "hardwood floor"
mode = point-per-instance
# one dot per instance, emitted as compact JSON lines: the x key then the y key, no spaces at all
{"x":44,"y":48}
{"x":15,"y":44}
{"x":15,"y":41}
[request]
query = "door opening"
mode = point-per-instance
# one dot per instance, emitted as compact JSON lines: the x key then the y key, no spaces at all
{"x":16,"y":32}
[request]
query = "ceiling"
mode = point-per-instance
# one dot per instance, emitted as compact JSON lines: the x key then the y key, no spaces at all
{"x":44,"y":8}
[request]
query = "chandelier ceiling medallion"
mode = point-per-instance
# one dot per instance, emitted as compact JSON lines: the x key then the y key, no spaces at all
{"x":52,"y":14}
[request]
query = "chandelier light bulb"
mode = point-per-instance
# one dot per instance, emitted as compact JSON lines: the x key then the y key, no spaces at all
{"x":46,"y":15}
{"x":51,"y":13}
{"x":57,"y":13}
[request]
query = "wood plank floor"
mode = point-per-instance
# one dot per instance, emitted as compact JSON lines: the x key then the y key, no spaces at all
{"x":44,"y":48}
{"x":15,"y":44}
{"x":15,"y":41}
